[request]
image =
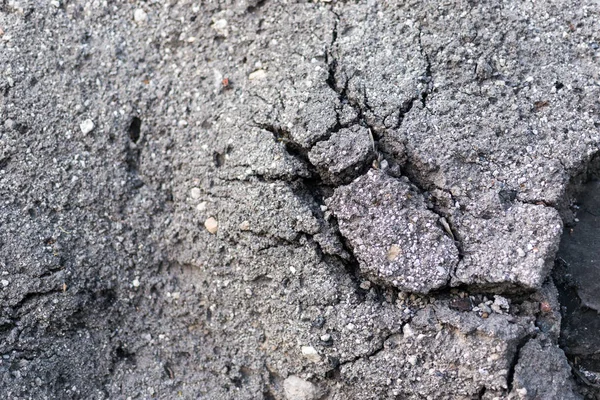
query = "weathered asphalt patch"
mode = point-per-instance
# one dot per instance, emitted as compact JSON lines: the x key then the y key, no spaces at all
{"x":111,"y":284}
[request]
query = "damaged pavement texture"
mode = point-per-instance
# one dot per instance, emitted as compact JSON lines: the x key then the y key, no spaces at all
{"x":376,"y":172}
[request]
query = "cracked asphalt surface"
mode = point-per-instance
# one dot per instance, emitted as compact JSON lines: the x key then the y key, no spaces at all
{"x":301,"y":201}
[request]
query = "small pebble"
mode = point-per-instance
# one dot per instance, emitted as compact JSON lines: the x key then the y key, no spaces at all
{"x":407,"y":331}
{"x":501,"y":304}
{"x":140,"y":16}
{"x":4,"y":282}
{"x":296,"y":388}
{"x":220,"y":26}
{"x":201,"y":206}
{"x":195,"y":193}
{"x":484,"y":308}
{"x":366,"y":285}
{"x":55,"y":3}
{"x":545,"y":307}
{"x":211,"y":225}
{"x":257,"y":75}
{"x":136,"y":282}
{"x":87,"y":126}
{"x":245,"y":226}
{"x":182,"y":123}
{"x":393,"y":252}
{"x":9,"y":124}
{"x":325,"y":338}
{"x":311,"y":354}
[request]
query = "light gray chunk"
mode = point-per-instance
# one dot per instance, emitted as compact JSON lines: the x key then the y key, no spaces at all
{"x":395,"y":238}
{"x":342,"y":157}
{"x":543,"y":373}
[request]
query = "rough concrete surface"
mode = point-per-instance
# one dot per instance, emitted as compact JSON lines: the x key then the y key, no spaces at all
{"x":297,"y":200}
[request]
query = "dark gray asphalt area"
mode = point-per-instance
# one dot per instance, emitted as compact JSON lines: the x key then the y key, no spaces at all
{"x":299,"y":200}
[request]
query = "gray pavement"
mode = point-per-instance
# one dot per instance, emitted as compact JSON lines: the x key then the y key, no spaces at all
{"x":301,"y":201}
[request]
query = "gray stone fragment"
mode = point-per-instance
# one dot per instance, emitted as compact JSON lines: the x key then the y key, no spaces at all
{"x":395,"y":238}
{"x":344,"y":155}
{"x":518,"y":250}
{"x":543,"y":372}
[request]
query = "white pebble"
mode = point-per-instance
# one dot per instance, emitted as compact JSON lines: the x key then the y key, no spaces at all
{"x":9,"y":124}
{"x":257,"y":75}
{"x":5,"y":282}
{"x":311,"y":354}
{"x":195,"y":193}
{"x":408,"y":331}
{"x":296,"y":388}
{"x":136,"y":282}
{"x":201,"y":206}
{"x":211,"y":225}
{"x":220,"y":26}
{"x":140,"y":16}
{"x":87,"y":126}
{"x":500,"y":304}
